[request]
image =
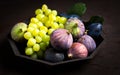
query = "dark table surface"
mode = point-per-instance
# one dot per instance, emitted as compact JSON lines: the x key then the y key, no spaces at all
{"x":107,"y":59}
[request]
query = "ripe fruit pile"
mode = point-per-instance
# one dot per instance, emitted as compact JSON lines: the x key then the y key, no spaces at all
{"x":39,"y":29}
{"x":55,"y":38}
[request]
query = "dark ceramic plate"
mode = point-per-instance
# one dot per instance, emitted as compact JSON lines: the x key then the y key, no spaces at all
{"x":18,"y":49}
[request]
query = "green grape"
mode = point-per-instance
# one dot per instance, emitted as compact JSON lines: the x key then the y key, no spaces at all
{"x":54,"y":12}
{"x":35,"y":32}
{"x":32,"y":25}
{"x":47,"y":43}
{"x":38,"y":11}
{"x":27,"y":35}
{"x":62,"y":20}
{"x":34,"y":20}
{"x":50,"y":31}
{"x":34,"y":55}
{"x":40,"y":16}
{"x":43,"y":46}
{"x":44,"y":19}
{"x":39,"y":24}
{"x":61,"y":25}
{"x":48,"y":23}
{"x":47,"y":12}
{"x":36,"y":47}
{"x":57,"y":18}
{"x":31,"y":42}
{"x":38,"y":39}
{"x":46,"y":38}
{"x":55,"y":25}
{"x":30,"y":29}
{"x":40,"y":54}
{"x":42,"y":33}
{"x":44,"y":28}
{"x":29,"y":51}
{"x":44,"y":7}
{"x":52,"y":17}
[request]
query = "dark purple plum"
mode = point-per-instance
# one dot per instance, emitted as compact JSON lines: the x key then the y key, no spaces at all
{"x":89,"y":42}
{"x":95,"y":29}
{"x":52,"y":56}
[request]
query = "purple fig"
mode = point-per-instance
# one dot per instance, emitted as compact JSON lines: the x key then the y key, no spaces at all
{"x":77,"y":50}
{"x":61,"y":39}
{"x":88,"y":41}
{"x":75,"y":26}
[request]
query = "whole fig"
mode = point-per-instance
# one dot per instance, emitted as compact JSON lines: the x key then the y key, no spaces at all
{"x":77,"y":50}
{"x":75,"y":26}
{"x":88,"y":41}
{"x":61,"y":39}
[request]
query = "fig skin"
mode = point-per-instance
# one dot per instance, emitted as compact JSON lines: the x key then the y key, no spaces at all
{"x":61,"y":40}
{"x":75,"y":26}
{"x":77,"y":50}
{"x":89,"y":42}
{"x":17,"y":32}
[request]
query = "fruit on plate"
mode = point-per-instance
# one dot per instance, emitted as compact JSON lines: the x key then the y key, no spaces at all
{"x":77,"y":50}
{"x":39,"y":29}
{"x":18,"y":30}
{"x":61,"y":39}
{"x":53,"y":36}
{"x":53,"y":56}
{"x":69,"y":16}
{"x":95,"y":29}
{"x":88,"y":41}
{"x":75,"y":26}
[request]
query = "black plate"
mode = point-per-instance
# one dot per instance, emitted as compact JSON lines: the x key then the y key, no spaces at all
{"x":18,"y":49}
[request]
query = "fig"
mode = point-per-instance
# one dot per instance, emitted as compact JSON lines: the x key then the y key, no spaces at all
{"x":77,"y":50}
{"x":53,"y":56}
{"x":75,"y":26}
{"x":61,"y":39}
{"x":17,"y":31}
{"x":88,"y":41}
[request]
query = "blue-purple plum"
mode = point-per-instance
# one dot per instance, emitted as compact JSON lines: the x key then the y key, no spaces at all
{"x":53,"y":56}
{"x":95,"y":29}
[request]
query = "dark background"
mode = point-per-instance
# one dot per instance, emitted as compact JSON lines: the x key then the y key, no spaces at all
{"x":107,"y":59}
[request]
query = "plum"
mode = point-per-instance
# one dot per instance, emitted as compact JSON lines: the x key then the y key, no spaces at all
{"x":95,"y":29}
{"x":77,"y":50}
{"x":88,"y":41}
{"x":53,"y":56}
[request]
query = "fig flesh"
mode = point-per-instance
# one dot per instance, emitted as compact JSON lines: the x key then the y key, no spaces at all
{"x":77,"y":50}
{"x":61,"y":39}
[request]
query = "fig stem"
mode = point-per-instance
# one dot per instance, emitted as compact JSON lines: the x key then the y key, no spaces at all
{"x":70,"y":55}
{"x":86,"y":32}
{"x":20,"y":30}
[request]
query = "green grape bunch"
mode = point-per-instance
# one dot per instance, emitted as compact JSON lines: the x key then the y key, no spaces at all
{"x":39,"y":30}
